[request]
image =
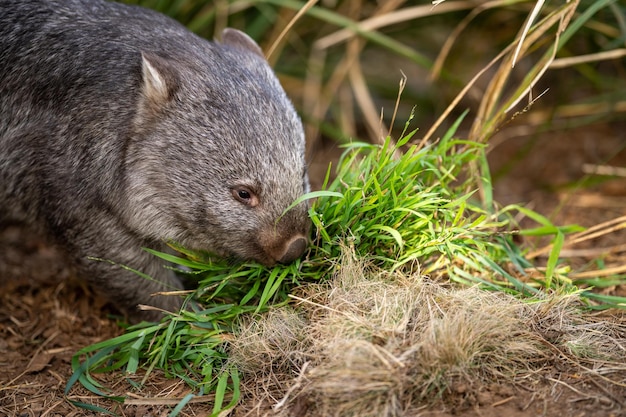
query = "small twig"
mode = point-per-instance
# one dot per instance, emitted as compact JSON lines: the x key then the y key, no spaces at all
{"x":304,"y":300}
{"x":599,"y":272}
{"x":504,"y":401}
{"x":569,"y":386}
{"x":138,"y":400}
{"x":51,"y":408}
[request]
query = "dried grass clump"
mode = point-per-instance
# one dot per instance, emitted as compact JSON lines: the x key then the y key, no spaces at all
{"x":579,"y":336}
{"x":374,"y":343}
{"x":270,"y":342}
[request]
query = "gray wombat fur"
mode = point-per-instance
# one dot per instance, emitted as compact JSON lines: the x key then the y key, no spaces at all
{"x":120,"y":129}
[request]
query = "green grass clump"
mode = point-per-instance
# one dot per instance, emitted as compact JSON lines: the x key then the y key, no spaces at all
{"x":412,"y":208}
{"x":400,"y":207}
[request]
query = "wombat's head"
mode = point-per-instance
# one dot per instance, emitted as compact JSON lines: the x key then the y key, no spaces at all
{"x":217,"y":155}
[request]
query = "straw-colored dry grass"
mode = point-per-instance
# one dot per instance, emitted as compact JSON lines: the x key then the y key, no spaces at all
{"x":371,"y":343}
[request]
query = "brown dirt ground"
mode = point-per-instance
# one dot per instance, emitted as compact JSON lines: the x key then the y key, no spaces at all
{"x":46,"y":314}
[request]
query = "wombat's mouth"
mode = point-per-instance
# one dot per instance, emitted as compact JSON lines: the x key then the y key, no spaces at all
{"x":272,"y":251}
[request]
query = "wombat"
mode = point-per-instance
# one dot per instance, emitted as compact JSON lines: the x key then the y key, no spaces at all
{"x":120,"y":129}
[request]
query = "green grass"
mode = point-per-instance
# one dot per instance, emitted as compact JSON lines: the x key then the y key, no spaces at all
{"x":408,"y":206}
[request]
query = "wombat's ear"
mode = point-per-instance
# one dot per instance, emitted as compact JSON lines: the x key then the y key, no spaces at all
{"x":238,"y":39}
{"x":159,"y":80}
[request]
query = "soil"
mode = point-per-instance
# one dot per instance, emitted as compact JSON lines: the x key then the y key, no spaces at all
{"x":47,"y":314}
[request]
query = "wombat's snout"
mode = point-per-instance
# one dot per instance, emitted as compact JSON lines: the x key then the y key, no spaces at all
{"x":294,"y":249}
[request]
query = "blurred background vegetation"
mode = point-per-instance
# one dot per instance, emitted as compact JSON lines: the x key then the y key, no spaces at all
{"x":342,"y":60}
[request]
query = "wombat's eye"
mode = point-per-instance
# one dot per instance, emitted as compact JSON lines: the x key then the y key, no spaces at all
{"x":245,"y":196}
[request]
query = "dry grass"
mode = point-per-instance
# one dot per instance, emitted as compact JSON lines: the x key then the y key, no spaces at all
{"x":371,"y":343}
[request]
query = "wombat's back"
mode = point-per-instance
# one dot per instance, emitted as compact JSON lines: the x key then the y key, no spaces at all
{"x":71,"y":69}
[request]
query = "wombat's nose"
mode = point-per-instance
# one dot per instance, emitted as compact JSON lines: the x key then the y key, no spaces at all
{"x":293,"y":249}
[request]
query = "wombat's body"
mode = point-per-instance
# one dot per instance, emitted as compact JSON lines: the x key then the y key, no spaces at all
{"x":120,"y":129}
